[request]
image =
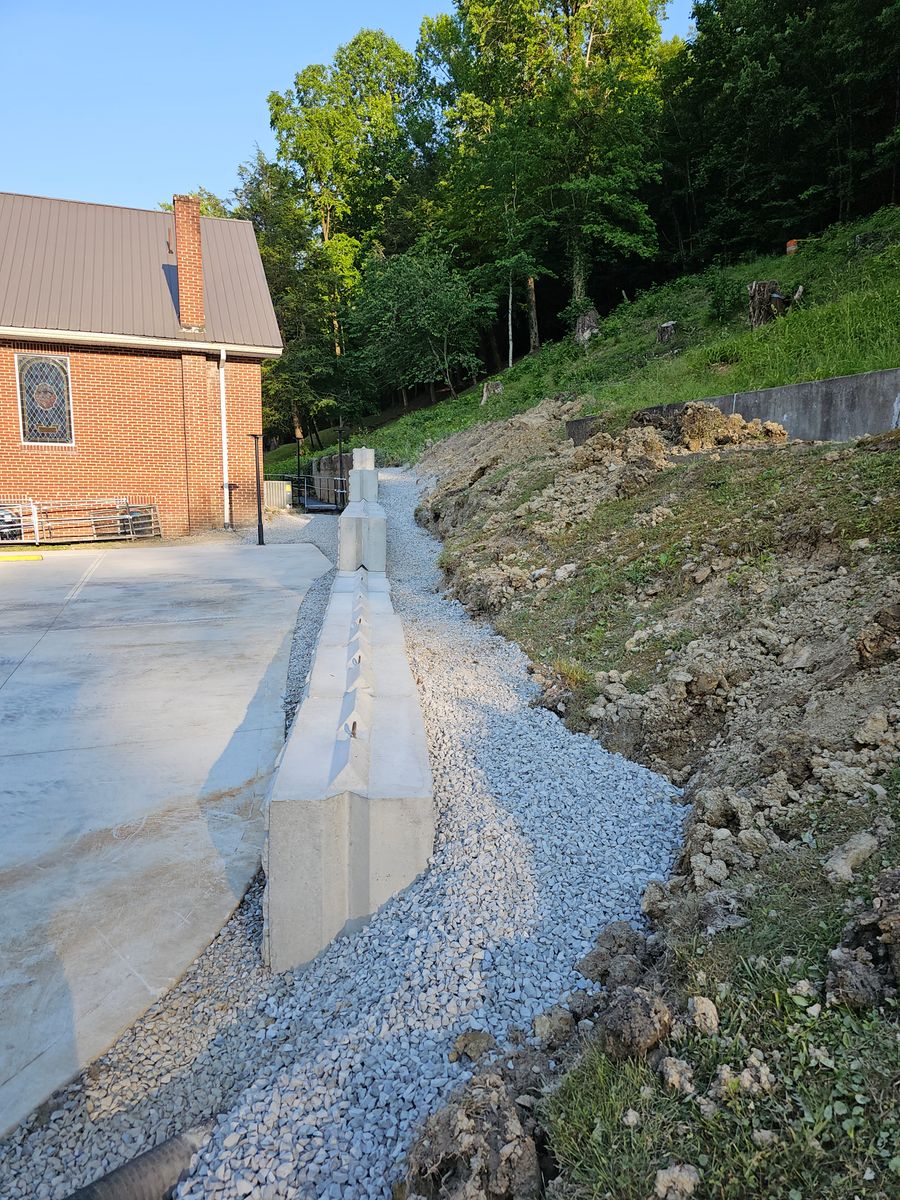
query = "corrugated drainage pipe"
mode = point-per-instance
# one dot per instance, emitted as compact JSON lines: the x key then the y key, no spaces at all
{"x":150,"y":1176}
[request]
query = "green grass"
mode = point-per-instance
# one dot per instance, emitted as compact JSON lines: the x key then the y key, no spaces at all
{"x":833,"y":1108}
{"x":282,"y":460}
{"x":846,"y":322}
{"x":855,"y":333}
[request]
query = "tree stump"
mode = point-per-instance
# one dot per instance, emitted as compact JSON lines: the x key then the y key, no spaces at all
{"x":666,"y":331}
{"x":586,"y":326}
{"x":493,"y":387}
{"x":762,"y":305}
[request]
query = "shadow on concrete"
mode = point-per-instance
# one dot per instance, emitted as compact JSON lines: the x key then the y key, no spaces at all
{"x":235,"y":815}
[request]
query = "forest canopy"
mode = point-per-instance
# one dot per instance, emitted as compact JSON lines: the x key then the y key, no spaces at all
{"x":429,"y":216}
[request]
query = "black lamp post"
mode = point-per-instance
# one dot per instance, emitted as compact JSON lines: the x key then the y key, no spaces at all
{"x":259,"y":507}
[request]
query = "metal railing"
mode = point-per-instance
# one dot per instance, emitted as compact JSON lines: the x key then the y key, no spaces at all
{"x":23,"y":520}
{"x":316,"y":493}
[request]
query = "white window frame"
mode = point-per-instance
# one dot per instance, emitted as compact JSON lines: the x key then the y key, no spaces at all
{"x":58,"y":357}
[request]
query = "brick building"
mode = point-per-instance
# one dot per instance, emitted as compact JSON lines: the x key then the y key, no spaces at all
{"x":131,"y":344}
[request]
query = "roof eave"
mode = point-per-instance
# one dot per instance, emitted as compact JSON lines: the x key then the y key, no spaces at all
{"x":135,"y":341}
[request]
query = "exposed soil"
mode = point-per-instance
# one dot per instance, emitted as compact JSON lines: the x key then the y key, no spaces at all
{"x":750,"y":652}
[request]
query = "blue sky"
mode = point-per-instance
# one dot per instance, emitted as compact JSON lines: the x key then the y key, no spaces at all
{"x":126,"y":102}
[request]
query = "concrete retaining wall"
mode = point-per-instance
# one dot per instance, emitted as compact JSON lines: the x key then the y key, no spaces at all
{"x":350,"y":812}
{"x":363,"y":525}
{"x":326,"y":471}
{"x":824,"y":410}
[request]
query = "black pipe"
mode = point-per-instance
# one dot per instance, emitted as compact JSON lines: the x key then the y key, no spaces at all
{"x":259,"y":508}
{"x":150,"y":1176}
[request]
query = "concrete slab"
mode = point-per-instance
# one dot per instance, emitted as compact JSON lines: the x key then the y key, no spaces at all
{"x":140,"y":720}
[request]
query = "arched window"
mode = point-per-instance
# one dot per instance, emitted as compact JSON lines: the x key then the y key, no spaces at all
{"x":45,"y":399}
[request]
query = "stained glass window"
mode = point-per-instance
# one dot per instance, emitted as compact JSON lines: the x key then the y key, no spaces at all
{"x":45,"y":399}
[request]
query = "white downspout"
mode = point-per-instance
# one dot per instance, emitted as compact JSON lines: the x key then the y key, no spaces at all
{"x":223,"y":416}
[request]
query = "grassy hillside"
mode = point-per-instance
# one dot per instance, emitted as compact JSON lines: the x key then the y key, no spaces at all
{"x":847,"y":321}
{"x":283,"y":459}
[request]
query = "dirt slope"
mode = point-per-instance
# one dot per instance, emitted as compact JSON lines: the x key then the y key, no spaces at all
{"x":724,"y":607}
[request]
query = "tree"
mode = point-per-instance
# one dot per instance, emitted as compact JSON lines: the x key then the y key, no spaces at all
{"x":336,"y":127}
{"x":601,"y":111}
{"x":336,"y":131}
{"x":416,"y":320}
{"x":557,"y":128}
{"x":298,"y":388}
{"x":780,"y":119}
{"x":210,"y":204}
{"x":492,"y":214}
{"x":417,"y":203}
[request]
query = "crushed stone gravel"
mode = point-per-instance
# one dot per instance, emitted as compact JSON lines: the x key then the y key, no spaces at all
{"x":322,"y":531}
{"x":324,"y":1074}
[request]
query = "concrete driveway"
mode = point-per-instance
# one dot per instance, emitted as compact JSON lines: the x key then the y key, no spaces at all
{"x":140,"y":718}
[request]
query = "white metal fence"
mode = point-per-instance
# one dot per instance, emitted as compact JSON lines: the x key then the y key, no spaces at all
{"x":25,"y":520}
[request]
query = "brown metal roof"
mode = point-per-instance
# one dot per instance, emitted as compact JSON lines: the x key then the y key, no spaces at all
{"x":92,"y":268}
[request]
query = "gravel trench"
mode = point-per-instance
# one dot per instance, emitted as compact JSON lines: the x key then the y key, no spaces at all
{"x":543,"y":838}
{"x":321,"y":531}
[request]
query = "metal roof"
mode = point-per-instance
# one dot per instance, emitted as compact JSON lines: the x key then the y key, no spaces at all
{"x":66,"y":265}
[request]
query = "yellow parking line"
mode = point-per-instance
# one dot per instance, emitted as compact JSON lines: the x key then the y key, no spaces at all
{"x":20,"y":557}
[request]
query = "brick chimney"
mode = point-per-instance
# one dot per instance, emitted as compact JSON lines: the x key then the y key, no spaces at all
{"x":190,"y":262}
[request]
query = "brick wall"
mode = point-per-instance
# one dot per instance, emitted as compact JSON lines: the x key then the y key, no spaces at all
{"x":244,"y":388}
{"x":146,"y":425}
{"x":189,"y":259}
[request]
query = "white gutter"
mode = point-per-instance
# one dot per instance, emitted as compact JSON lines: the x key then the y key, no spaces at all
{"x":223,"y":416}
{"x":79,"y":337}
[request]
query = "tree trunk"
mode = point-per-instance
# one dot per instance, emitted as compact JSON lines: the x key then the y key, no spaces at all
{"x":448,"y":374}
{"x":534,"y":336}
{"x":579,"y":274}
{"x":495,"y":349}
{"x":315,"y":432}
{"x":587,"y":324}
{"x":298,"y":424}
{"x":509,"y":322}
{"x":432,"y":392}
{"x":405,"y":400}
{"x":762,"y":308}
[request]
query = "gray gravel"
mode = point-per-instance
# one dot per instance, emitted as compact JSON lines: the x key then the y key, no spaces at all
{"x":543,"y":838}
{"x":283,"y":527}
{"x":322,"y":531}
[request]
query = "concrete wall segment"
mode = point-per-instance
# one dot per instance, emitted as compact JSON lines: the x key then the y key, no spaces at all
{"x":363,"y":486}
{"x":350,"y":812}
{"x":363,"y":537}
